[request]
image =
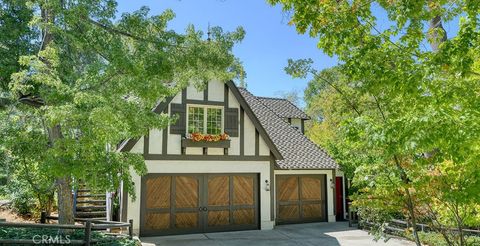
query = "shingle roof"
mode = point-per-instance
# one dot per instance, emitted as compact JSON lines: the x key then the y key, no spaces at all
{"x":297,"y":150}
{"x":283,"y":108}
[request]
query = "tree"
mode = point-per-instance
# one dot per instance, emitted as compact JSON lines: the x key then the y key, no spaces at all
{"x":421,"y":103}
{"x":93,"y":80}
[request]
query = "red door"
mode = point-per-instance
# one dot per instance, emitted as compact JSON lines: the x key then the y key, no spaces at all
{"x":339,"y":196}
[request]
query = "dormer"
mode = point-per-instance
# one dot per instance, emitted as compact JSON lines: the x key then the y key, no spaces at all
{"x":287,"y":111}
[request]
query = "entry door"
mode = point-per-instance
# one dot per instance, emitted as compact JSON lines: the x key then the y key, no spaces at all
{"x":301,"y":198}
{"x":193,"y":203}
{"x":339,"y":198}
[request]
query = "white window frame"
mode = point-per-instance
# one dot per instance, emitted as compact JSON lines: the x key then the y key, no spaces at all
{"x":205,"y":116}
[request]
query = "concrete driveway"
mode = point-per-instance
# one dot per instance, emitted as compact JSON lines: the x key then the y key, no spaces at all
{"x":311,"y":234}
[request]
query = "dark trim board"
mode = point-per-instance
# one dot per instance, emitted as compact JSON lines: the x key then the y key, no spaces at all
{"x":152,"y":157}
{"x":242,"y":132}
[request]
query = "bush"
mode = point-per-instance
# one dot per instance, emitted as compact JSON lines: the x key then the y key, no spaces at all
{"x":34,"y":233}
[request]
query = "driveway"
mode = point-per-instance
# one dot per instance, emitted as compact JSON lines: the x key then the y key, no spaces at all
{"x":311,"y":234}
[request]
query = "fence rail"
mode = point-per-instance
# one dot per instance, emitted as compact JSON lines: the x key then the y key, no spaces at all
{"x":88,"y":226}
{"x":396,"y":225}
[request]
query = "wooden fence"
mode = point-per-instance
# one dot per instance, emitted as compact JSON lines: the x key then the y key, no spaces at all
{"x":87,"y":227}
{"x":400,"y":226}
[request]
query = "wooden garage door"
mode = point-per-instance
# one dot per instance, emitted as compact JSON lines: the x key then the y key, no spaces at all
{"x":301,"y":198}
{"x":177,"y":204}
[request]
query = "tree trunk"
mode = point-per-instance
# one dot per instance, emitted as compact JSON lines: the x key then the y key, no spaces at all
{"x":64,"y":187}
{"x":65,"y":201}
{"x":63,"y":184}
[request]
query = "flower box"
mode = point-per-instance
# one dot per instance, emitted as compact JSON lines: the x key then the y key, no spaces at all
{"x":206,"y":144}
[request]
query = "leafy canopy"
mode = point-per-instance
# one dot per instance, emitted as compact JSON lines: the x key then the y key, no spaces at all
{"x":97,"y":77}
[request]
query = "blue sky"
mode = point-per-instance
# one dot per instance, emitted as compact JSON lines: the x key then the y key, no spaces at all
{"x":268,"y":43}
{"x":269,"y":40}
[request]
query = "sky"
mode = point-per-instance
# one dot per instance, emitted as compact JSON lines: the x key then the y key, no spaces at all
{"x":268,"y":44}
{"x":269,"y":40}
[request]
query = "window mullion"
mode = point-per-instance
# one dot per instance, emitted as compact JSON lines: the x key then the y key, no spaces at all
{"x":205,"y":117}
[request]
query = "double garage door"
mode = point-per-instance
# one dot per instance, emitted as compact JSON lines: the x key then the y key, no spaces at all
{"x":301,"y":198}
{"x":193,"y":203}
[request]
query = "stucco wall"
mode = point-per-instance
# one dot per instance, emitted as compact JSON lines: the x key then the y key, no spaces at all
{"x":297,"y":123}
{"x":260,"y":167}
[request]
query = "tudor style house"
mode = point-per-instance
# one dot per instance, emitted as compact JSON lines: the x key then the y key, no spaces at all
{"x":232,"y":161}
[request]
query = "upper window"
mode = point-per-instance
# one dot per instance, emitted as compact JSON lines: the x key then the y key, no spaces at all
{"x":205,"y":119}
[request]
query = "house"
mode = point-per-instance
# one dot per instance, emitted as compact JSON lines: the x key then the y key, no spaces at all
{"x":267,"y":172}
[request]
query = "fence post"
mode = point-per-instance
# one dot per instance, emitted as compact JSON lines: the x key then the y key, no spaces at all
{"x":130,"y":229}
{"x":88,"y":231}
{"x":43,"y":217}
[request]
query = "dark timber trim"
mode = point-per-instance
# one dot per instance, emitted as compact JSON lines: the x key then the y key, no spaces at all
{"x":254,"y":119}
{"x":129,"y":145}
{"x":206,"y":157}
{"x":334,"y":182}
{"x":257,"y":143}
{"x":146,"y":144}
{"x":303,"y":126}
{"x":205,"y":93}
{"x":165,"y":140}
{"x":272,"y":187}
{"x":242,"y":132}
{"x":225,"y":96}
{"x":202,"y":102}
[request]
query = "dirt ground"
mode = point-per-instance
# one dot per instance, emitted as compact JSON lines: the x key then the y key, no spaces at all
{"x":11,"y":216}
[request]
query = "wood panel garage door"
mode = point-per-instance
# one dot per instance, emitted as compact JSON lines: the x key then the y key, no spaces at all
{"x":192,"y":203}
{"x":301,"y":198}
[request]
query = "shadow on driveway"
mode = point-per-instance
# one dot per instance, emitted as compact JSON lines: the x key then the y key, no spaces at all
{"x":311,"y":234}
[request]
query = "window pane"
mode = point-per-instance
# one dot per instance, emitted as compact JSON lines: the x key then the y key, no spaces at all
{"x":214,"y":121}
{"x":195,"y":119}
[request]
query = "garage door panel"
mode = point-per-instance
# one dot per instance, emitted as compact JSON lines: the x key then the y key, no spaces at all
{"x":186,"y":220}
{"x":243,"y":190}
{"x":219,"y":218}
{"x":158,"y":192}
{"x":186,"y":192}
{"x":311,"y":188}
{"x":288,"y":212}
{"x":218,"y":191}
{"x":288,"y":189}
{"x":312,"y":211}
{"x":157,"y":221}
{"x":244,"y":216}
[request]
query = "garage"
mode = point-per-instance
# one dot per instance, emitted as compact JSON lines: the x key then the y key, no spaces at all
{"x":301,"y":198}
{"x":195,"y":203}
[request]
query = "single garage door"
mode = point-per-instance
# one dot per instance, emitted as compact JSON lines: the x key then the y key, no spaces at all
{"x":300,"y":198}
{"x":193,"y":203}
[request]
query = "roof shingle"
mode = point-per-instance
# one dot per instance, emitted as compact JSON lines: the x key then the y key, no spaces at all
{"x":283,"y":108}
{"x":297,"y":150}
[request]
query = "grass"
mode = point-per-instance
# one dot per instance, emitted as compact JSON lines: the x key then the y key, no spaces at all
{"x":36,"y":233}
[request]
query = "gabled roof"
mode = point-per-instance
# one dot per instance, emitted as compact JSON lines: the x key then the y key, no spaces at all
{"x":283,"y":108}
{"x":297,"y":150}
